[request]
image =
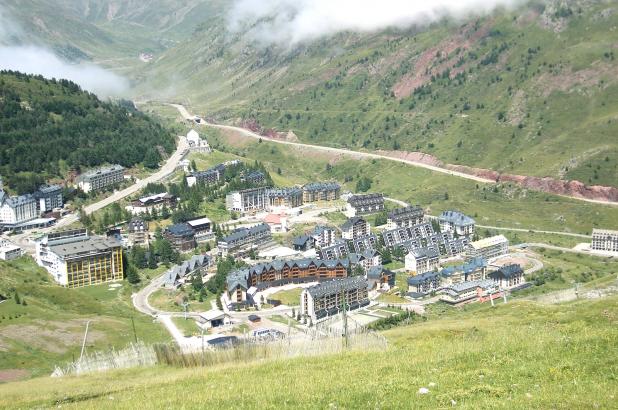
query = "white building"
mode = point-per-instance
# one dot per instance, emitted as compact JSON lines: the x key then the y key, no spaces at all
{"x":196,"y":143}
{"x":604,"y":240}
{"x":323,"y":236}
{"x":75,"y":259}
{"x":456,"y":222}
{"x":100,"y":178}
{"x":17,"y":209}
{"x":355,"y":228}
{"x":8,"y":250}
{"x":489,"y":248}
{"x":247,"y":200}
{"x":422,"y":260}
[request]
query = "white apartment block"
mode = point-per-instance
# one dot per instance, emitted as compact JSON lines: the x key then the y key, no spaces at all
{"x":604,"y":240}
{"x":489,"y":248}
{"x":100,"y":178}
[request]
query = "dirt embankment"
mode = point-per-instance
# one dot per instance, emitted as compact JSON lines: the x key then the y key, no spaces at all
{"x":575,"y":189}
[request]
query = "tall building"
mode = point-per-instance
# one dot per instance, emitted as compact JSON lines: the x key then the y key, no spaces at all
{"x":323,"y":236}
{"x":422,"y":260}
{"x":17,"y":209}
{"x":604,"y":240}
{"x":405,"y":217}
{"x":332,"y":297}
{"x":321,"y":191}
{"x":247,"y":200}
{"x":243,"y":240}
{"x":456,"y":222}
{"x":100,"y":178}
{"x":181,"y":236}
{"x":277,"y":273}
{"x":48,"y":197}
{"x":354,"y":228}
{"x":284,"y":198}
{"x":75,"y":259}
{"x":365,"y":204}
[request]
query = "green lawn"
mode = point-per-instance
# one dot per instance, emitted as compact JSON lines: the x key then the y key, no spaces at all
{"x":288,"y":297}
{"x":519,"y":355}
{"x":170,"y":300}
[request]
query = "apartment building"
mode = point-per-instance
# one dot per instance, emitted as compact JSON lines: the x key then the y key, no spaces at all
{"x":148,"y":204}
{"x":365,"y":204}
{"x":245,"y":201}
{"x":75,"y":259}
{"x":242,"y":240}
{"x":604,"y":240}
{"x":405,"y":217}
{"x":283,"y":198}
{"x":321,"y":191}
{"x":355,"y":227}
{"x":489,"y":248}
{"x":240,"y":283}
{"x":323,"y":236}
{"x":422,"y":260}
{"x":456,"y":222}
{"x":508,"y":276}
{"x":332,"y":297}
{"x":100,"y":178}
{"x":15,"y":210}
{"x":181,"y":236}
{"x":48,"y":197}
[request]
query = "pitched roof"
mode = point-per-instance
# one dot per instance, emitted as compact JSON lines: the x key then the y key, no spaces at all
{"x":407,"y":212}
{"x":507,"y":271}
{"x":337,"y":285}
{"x":180,"y":229}
{"x":301,"y":240}
{"x":351,"y":222}
{"x":456,"y":218}
{"x":491,"y":241}
{"x":321,"y":186}
{"x":418,"y":279}
{"x":366,"y":199}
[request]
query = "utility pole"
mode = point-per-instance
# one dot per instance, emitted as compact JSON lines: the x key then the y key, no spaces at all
{"x":184,"y":305}
{"x":81,"y":355}
{"x":202,"y":347}
{"x":134,"y":332}
{"x":345,"y":319}
{"x":503,"y":294}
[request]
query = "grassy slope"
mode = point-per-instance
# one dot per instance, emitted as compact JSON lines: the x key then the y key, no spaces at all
{"x":48,"y":331}
{"x":519,"y":355}
{"x":510,"y":206}
{"x":338,"y":91}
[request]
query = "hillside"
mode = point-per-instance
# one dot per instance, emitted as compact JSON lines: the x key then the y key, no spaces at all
{"x":527,"y":92}
{"x":110,"y":32}
{"x":518,"y":355}
{"x":50,"y":126}
{"x":47,"y":327}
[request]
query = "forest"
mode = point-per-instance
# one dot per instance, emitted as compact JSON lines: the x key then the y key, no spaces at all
{"x":49,"y":126}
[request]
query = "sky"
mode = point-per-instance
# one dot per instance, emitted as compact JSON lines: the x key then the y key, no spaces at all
{"x":297,"y":21}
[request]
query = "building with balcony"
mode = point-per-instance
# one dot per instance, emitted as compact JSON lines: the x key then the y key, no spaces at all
{"x":76,"y":259}
{"x":100,"y":178}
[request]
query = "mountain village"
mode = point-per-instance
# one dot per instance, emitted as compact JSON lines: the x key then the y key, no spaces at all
{"x":383,"y":258}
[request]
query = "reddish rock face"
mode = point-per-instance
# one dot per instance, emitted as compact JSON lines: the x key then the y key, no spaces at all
{"x":546,"y":184}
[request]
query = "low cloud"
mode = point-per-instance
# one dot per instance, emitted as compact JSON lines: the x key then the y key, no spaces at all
{"x":296,"y":21}
{"x":34,"y":59}
{"x":37,"y":60}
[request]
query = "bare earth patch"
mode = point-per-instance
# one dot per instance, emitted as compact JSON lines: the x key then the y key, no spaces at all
{"x":11,"y":375}
{"x":54,"y":337}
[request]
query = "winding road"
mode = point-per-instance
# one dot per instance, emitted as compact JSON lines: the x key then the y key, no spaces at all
{"x":358,"y":154}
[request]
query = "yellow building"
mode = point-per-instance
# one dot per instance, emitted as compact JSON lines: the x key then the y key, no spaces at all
{"x":75,"y":259}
